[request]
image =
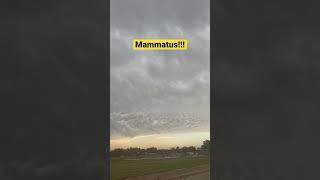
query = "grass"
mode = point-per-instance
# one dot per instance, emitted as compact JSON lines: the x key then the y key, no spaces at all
{"x":128,"y":168}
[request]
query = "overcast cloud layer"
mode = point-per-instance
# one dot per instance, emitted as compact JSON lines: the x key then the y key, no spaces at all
{"x":172,"y":85}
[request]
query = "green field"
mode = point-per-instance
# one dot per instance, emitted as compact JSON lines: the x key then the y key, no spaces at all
{"x":128,"y":168}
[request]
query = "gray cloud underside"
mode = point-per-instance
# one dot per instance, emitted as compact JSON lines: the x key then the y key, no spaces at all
{"x":137,"y":123}
{"x":151,"y":82}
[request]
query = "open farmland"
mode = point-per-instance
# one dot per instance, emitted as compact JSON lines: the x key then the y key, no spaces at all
{"x":121,"y":169}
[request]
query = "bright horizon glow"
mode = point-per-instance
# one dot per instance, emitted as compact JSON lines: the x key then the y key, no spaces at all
{"x":160,"y":141}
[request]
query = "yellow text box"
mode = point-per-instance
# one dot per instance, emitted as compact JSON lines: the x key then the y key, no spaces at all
{"x":160,"y":44}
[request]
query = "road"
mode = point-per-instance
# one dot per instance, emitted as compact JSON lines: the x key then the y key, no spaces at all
{"x":203,"y":176}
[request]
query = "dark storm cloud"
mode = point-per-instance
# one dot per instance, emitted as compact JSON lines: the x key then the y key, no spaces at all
{"x":266,"y":90}
{"x":53,"y":90}
{"x":140,"y":14}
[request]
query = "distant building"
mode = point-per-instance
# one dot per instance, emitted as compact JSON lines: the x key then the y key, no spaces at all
{"x":150,"y":155}
{"x":203,"y":152}
{"x":190,"y":153}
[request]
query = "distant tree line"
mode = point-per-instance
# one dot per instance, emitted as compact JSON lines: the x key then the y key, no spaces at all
{"x":133,"y":151}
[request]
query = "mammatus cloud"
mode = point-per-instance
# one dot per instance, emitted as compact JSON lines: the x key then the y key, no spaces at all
{"x":133,"y":124}
{"x":146,"y":85}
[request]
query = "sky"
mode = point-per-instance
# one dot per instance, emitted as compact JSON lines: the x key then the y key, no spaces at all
{"x":159,"y":94}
